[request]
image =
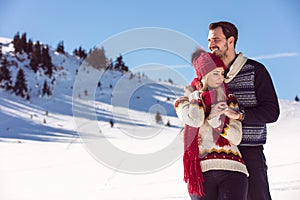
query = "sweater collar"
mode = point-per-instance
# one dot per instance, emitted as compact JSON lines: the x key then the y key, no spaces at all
{"x":235,"y":67}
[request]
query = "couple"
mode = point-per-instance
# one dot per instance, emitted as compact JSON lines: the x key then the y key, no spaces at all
{"x":225,"y":111}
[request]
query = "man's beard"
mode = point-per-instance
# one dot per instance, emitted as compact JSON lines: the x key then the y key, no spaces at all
{"x":222,"y":54}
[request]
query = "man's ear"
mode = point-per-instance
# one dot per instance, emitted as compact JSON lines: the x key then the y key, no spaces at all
{"x":231,"y":40}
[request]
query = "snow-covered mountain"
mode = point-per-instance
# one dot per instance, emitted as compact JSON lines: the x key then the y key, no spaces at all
{"x":44,"y":157}
{"x":145,"y":95}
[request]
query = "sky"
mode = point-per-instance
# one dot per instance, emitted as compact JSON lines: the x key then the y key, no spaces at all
{"x":268,"y":30}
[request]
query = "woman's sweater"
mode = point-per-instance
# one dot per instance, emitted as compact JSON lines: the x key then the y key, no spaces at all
{"x":213,"y":156}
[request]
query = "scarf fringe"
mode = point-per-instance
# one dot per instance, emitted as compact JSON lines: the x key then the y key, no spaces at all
{"x":192,"y":168}
{"x":193,"y":177}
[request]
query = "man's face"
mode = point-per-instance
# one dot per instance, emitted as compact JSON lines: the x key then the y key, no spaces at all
{"x":217,"y":42}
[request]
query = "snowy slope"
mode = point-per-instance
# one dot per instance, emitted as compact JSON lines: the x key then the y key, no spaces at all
{"x":43,"y":157}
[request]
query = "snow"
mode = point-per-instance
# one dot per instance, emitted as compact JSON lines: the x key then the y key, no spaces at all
{"x":43,"y":157}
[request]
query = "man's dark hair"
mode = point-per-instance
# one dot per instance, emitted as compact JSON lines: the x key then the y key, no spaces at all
{"x":228,"y":29}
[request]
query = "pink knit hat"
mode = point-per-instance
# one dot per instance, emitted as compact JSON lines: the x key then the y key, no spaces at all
{"x":205,"y":63}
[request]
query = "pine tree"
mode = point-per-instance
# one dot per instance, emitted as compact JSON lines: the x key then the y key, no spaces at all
{"x":297,"y":98}
{"x":5,"y":75}
{"x":17,"y":43}
{"x":46,"y":62}
{"x":168,"y":123}
{"x":20,"y":87}
{"x":120,"y":65}
{"x":80,"y":53}
{"x":158,"y":118}
{"x":60,"y":47}
{"x":110,"y":65}
{"x":36,"y":57}
{"x":23,"y":42}
{"x":29,"y":47}
{"x":97,"y":58}
{"x":0,"y":51}
{"x":46,"y":89}
{"x":170,"y":80}
{"x":75,"y":52}
{"x":27,"y":97}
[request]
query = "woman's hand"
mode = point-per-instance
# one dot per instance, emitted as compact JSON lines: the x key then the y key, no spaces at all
{"x":230,"y":113}
{"x":218,"y":109}
{"x":188,"y":90}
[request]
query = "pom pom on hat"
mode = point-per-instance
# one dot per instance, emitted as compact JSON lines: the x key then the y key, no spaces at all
{"x":205,"y":63}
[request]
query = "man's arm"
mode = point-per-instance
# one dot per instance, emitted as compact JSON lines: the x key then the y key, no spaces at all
{"x":267,"y":109}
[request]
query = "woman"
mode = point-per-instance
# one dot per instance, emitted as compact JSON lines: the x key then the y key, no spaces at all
{"x":213,"y":166}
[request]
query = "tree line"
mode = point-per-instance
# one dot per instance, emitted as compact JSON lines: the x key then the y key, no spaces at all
{"x":40,"y":62}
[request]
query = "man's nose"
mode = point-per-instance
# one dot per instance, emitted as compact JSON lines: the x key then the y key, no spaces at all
{"x":210,"y":44}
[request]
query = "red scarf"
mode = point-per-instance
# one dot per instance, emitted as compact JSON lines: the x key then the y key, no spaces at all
{"x":191,"y":161}
{"x":191,"y":158}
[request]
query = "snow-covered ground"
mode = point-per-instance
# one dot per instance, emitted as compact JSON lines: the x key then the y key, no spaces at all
{"x":43,"y":156}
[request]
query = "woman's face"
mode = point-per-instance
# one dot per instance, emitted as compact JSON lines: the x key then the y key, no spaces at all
{"x":215,"y":78}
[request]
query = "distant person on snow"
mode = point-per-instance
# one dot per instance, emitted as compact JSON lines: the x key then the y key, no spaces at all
{"x":213,"y":166}
{"x":111,"y":122}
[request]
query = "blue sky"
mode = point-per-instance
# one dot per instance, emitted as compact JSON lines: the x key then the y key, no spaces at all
{"x":269,"y":30}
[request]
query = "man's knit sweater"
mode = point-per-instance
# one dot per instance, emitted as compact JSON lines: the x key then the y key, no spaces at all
{"x":250,"y":82}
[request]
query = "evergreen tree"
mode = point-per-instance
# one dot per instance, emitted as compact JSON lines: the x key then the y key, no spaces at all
{"x":131,"y":76}
{"x":168,"y":123}
{"x":5,"y":75}
{"x":75,"y":52}
{"x":20,"y":87}
{"x":29,"y":47}
{"x":36,"y":57}
{"x":46,"y":62}
{"x":170,"y":80}
{"x":158,"y":118}
{"x":46,"y":89}
{"x":23,"y":42}
{"x":60,"y":47}
{"x":97,"y":58}
{"x":17,"y":43}
{"x":80,"y":53}
{"x":0,"y":51}
{"x":27,"y":97}
{"x":297,"y":98}
{"x":120,"y":65}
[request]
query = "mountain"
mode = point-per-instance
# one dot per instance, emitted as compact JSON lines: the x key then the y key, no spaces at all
{"x":62,"y":146}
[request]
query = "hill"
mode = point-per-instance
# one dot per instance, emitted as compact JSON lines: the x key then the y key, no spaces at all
{"x":62,"y":146}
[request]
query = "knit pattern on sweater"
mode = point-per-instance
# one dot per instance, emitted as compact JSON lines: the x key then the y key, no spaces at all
{"x":242,"y":86}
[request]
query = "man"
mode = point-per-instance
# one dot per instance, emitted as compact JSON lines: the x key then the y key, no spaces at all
{"x":252,"y":85}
